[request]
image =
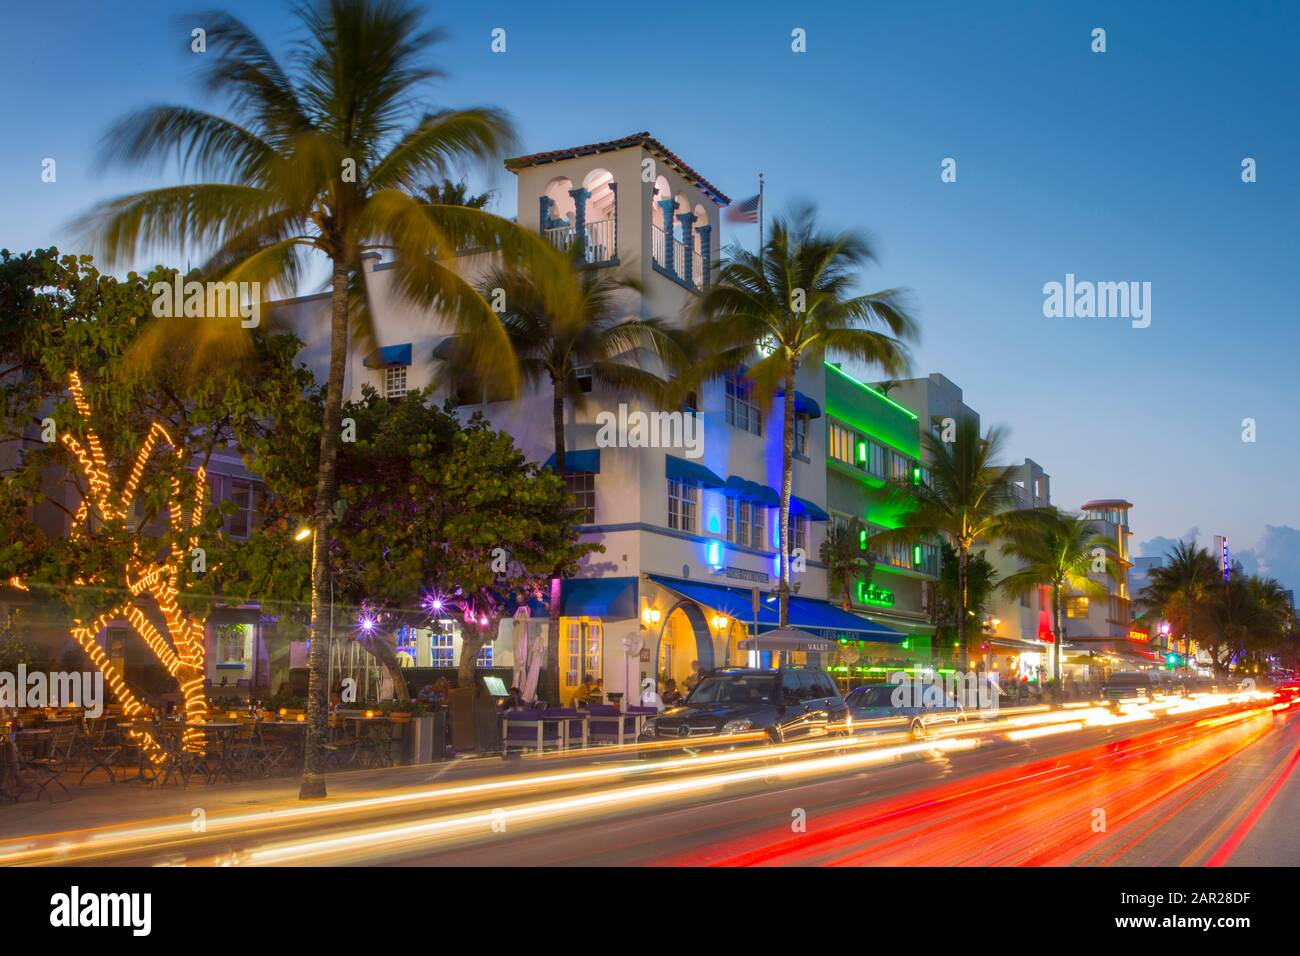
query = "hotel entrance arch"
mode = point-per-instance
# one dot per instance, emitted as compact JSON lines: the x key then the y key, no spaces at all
{"x":684,"y":636}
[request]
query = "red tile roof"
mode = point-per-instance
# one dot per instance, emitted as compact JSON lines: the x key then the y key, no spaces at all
{"x":644,"y":140}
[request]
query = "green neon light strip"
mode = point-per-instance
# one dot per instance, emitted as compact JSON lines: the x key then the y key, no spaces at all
{"x":880,"y":395}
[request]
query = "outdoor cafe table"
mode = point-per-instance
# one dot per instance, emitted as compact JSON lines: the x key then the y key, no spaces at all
{"x":224,"y":729}
{"x":377,"y":720}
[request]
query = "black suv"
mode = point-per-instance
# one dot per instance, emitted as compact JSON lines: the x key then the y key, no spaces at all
{"x":787,"y":703}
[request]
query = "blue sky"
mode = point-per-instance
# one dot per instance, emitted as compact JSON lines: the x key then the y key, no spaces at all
{"x":1122,"y":166}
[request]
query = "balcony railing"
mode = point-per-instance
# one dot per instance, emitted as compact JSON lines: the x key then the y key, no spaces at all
{"x":598,"y":245}
{"x":680,"y":250}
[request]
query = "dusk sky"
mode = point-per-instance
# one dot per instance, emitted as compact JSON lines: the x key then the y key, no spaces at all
{"x":1116,"y":166}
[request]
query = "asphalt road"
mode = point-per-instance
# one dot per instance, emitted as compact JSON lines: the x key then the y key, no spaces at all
{"x":1217,"y":786}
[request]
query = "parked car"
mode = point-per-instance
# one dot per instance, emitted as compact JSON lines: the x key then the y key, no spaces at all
{"x":873,"y":702}
{"x":786,"y":703}
{"x":1122,"y":686}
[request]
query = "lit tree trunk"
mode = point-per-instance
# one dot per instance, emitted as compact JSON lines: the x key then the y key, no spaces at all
{"x":472,"y":639}
{"x":378,"y":647}
{"x":552,"y":692}
{"x":313,"y":784}
{"x":787,"y":486}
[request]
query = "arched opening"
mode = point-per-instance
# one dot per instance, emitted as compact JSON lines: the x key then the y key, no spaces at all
{"x":684,"y":638}
{"x":557,"y":212}
{"x":601,"y":216}
{"x":658,"y":237}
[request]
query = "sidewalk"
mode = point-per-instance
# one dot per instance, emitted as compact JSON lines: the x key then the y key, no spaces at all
{"x":100,"y":804}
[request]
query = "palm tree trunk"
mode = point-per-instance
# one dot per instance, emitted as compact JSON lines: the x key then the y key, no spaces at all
{"x":787,"y":486}
{"x":313,"y":784}
{"x":1059,"y":628}
{"x":557,"y":585}
{"x":963,"y":559}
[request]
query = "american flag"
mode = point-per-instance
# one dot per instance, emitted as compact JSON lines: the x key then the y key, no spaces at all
{"x":744,"y":211}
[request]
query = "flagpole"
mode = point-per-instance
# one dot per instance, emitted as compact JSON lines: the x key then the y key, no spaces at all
{"x":760,"y":216}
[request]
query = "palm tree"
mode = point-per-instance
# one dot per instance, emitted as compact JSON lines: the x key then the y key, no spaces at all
{"x":566,"y":320}
{"x":448,"y":193}
{"x":968,"y":498}
{"x":1056,"y":549}
{"x":1180,"y":589}
{"x":845,"y":559}
{"x":981,"y":581}
{"x":1247,"y":614}
{"x":793,"y":303}
{"x":321,"y":155}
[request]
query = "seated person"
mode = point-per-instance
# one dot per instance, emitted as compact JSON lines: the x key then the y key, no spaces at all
{"x":583,"y":694}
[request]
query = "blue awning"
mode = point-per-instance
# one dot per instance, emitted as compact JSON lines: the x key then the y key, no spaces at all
{"x":389,"y":355}
{"x":805,"y":613}
{"x":801,"y":506}
{"x":577,"y":460}
{"x":803,"y":403}
{"x":738,"y":487}
{"x":600,"y":597}
{"x":679,"y":469}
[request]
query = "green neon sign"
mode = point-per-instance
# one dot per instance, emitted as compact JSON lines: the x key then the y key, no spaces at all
{"x":873,"y":594}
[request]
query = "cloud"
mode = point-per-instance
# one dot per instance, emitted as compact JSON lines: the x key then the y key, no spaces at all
{"x":1159,"y":546}
{"x":1276,"y":554}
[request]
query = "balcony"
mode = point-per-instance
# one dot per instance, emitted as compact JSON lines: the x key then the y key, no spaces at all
{"x":598,"y":240}
{"x":686,"y":266}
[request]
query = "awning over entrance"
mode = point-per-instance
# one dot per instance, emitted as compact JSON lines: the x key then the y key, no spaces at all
{"x":805,"y":613}
{"x":1015,"y":644}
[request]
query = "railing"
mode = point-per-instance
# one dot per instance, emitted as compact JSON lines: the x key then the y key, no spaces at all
{"x":598,"y":245}
{"x":657,"y":246}
{"x":680,"y":251}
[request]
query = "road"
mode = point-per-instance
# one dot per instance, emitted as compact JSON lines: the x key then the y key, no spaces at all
{"x":1211,"y":782}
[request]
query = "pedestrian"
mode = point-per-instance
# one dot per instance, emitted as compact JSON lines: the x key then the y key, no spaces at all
{"x":693,"y":677}
{"x":672,"y":696}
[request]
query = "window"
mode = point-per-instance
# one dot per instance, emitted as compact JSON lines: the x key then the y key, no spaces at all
{"x":801,"y":435}
{"x":582,"y":651}
{"x":900,"y":468}
{"x":760,"y":520}
{"x":583,"y":374}
{"x":742,"y":410}
{"x":799,"y":526}
{"x":395,"y":381}
{"x":742,"y":526}
{"x":733,"y":505}
{"x":582,"y":488}
{"x":691,"y":403}
{"x":250,"y":501}
{"x":230,"y":643}
{"x":1024,"y":599}
{"x":874,"y":461}
{"x":841,"y":442}
{"x":1076,"y":607}
{"x":485,"y":656}
{"x":683,"y":503}
{"x":442,"y":650}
